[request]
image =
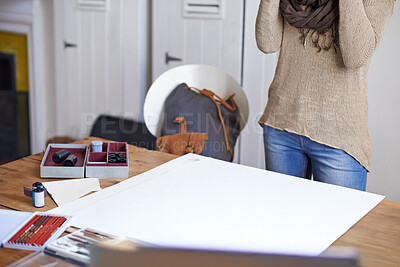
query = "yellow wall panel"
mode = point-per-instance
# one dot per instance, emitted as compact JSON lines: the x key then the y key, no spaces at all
{"x":17,"y":44}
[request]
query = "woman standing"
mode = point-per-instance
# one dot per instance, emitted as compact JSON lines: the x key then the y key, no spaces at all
{"x":315,"y":120}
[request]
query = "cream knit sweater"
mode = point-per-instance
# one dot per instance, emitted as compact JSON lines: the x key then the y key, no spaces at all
{"x":324,"y":95}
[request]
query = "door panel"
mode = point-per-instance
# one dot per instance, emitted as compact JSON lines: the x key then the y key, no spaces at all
{"x":216,"y":42}
{"x":105,"y":73}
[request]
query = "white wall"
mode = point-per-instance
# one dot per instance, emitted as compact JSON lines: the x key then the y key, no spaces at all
{"x":258,"y":72}
{"x":384,"y":113}
{"x":34,"y":18}
{"x":44,"y":66}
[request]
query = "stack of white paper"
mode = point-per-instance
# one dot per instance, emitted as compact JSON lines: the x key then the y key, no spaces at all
{"x":198,"y":202}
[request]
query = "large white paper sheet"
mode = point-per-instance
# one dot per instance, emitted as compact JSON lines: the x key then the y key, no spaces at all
{"x":198,"y":202}
{"x":66,"y":191}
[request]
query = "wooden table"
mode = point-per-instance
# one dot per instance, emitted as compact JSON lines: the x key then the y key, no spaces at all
{"x":376,"y":236}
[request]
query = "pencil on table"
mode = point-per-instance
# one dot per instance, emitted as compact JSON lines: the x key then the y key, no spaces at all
{"x":37,"y":229}
{"x":28,"y":232}
{"x":52,"y":229}
{"x":23,"y":229}
{"x":43,"y":229}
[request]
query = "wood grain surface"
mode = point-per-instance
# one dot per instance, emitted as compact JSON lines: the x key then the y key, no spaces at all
{"x":24,"y":172}
{"x":376,"y":236}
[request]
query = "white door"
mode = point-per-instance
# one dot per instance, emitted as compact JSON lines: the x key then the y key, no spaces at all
{"x":197,"y":32}
{"x":101,"y":61}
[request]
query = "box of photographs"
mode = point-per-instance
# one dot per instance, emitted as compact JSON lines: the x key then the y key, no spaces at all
{"x":108,"y":160}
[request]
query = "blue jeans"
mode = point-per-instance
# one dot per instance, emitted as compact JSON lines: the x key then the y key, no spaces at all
{"x":297,"y":155}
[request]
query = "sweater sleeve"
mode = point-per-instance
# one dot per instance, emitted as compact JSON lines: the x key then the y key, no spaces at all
{"x":269,"y":26}
{"x":362,"y":24}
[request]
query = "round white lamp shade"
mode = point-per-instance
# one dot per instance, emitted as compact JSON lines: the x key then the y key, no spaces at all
{"x":199,"y":76}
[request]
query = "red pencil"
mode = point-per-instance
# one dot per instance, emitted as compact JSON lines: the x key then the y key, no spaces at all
{"x":43,"y":228}
{"x":53,"y":228}
{"x":23,"y":229}
{"x":36,"y":229}
{"x":49,"y":232}
{"x":32,"y":228}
